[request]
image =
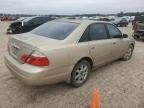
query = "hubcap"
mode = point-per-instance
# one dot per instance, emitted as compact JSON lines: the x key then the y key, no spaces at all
{"x":81,"y":73}
{"x":128,"y":53}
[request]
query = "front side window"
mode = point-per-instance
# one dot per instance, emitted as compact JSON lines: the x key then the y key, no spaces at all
{"x":55,"y":29}
{"x":113,"y":31}
{"x":97,"y":32}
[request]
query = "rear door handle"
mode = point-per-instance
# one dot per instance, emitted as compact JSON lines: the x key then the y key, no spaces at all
{"x":92,"y":48}
{"x":114,"y":42}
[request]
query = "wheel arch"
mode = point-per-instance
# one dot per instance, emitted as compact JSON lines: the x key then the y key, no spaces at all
{"x":132,"y":44}
{"x":89,"y":59}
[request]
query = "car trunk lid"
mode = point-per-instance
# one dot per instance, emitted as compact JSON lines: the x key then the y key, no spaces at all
{"x":27,"y":44}
{"x":17,"y":48}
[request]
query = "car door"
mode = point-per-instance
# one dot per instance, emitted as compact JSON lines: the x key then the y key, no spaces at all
{"x":99,"y":44}
{"x":120,"y":44}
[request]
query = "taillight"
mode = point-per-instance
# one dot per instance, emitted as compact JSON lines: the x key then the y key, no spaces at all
{"x":36,"y":59}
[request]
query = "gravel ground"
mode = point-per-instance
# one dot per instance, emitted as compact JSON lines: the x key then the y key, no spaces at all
{"x":121,"y":84}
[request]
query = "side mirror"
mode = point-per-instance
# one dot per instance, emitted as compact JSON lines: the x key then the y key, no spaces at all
{"x":125,"y":36}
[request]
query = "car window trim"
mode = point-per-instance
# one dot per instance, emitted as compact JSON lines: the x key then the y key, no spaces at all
{"x":108,"y":35}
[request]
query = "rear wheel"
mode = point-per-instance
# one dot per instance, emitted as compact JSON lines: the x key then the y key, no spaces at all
{"x":80,"y":73}
{"x":128,"y":54}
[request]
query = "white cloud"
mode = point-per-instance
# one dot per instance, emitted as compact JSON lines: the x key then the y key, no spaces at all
{"x":69,"y":6}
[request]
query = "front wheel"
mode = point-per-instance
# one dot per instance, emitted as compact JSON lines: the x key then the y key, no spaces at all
{"x":80,"y":73}
{"x":127,"y":56}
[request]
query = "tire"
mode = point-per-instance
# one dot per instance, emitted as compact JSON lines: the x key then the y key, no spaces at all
{"x":80,"y":73}
{"x":128,"y":55}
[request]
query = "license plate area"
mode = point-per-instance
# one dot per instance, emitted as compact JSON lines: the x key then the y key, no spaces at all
{"x":14,"y":51}
{"x":17,"y":48}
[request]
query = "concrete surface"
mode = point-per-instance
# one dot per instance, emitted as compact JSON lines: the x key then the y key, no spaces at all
{"x":121,"y":84}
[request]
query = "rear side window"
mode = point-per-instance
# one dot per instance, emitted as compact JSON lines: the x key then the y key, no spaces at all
{"x":85,"y":36}
{"x":113,"y":31}
{"x":97,"y":32}
{"x":55,"y":29}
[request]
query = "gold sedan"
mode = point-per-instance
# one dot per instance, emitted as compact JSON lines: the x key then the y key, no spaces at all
{"x":65,"y":50}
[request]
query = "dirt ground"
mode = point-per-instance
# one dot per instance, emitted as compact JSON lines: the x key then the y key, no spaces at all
{"x":121,"y":84}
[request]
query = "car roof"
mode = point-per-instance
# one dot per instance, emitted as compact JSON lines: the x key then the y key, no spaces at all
{"x":82,"y":21}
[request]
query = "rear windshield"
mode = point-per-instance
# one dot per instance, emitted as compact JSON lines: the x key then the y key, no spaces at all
{"x":55,"y":29}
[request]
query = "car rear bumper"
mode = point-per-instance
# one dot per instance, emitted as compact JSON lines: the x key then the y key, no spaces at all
{"x":32,"y":75}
